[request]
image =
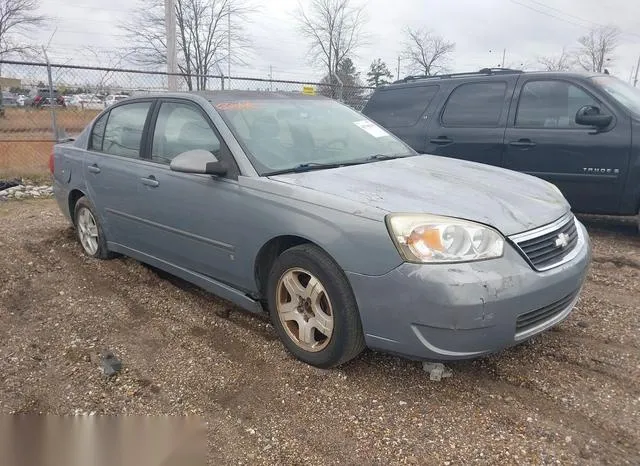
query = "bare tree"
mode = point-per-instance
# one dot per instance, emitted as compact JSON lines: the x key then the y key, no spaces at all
{"x":334,"y":29}
{"x":597,"y":48}
{"x":562,"y":62}
{"x":427,"y":52}
{"x":17,"y":19}
{"x":203,"y":33}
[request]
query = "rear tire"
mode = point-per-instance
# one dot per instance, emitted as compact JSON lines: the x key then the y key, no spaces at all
{"x":89,"y":230}
{"x":313,"y":308}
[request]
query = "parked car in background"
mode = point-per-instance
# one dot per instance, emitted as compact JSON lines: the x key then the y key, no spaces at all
{"x":581,"y":132}
{"x":86,"y":101}
{"x":301,"y":206}
{"x":43,"y":98}
{"x":113,"y":98}
{"x":9,"y":99}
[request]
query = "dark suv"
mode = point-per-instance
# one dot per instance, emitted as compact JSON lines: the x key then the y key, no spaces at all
{"x":578,"y":131}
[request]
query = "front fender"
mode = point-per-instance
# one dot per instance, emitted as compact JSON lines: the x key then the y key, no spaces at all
{"x":354,"y":235}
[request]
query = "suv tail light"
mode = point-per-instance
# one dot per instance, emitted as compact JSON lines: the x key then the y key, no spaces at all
{"x":51,"y":161}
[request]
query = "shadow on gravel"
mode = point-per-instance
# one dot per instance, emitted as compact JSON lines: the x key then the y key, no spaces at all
{"x":626,"y":226}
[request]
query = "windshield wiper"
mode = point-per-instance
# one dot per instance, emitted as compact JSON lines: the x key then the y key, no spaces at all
{"x":375,"y":157}
{"x":309,"y":166}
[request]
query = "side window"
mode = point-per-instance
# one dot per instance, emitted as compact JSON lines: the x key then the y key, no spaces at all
{"x":181,"y":127}
{"x":123,"y":132}
{"x":551,"y":104}
{"x":97,"y":134}
{"x":400,"y":107}
{"x":475,"y":105}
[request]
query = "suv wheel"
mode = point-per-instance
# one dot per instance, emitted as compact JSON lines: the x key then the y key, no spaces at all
{"x":313,"y":309}
{"x":89,"y":230}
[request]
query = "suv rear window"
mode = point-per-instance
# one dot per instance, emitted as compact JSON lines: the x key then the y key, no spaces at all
{"x":475,"y":105}
{"x":398,"y":107}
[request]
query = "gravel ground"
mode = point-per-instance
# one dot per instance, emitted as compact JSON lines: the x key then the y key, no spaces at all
{"x":571,"y":395}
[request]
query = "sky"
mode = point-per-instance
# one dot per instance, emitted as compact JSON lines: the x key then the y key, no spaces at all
{"x":481,"y":30}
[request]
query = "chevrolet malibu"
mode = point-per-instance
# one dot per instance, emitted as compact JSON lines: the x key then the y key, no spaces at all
{"x":303,"y":208}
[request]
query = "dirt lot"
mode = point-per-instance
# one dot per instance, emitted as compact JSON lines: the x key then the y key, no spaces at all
{"x":572,"y":395}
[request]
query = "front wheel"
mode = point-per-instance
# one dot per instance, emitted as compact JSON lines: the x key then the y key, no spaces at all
{"x":313,"y":308}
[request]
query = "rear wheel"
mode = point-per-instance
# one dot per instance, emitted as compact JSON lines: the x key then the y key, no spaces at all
{"x":89,"y":230}
{"x":313,"y":308}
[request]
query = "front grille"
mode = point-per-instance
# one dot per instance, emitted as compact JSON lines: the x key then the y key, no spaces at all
{"x":547,"y":246}
{"x":531,"y":319}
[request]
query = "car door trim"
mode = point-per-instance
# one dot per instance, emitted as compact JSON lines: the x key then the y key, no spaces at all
{"x":202,"y":239}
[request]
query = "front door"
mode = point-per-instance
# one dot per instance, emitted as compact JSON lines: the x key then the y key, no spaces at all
{"x":543,"y":139}
{"x":191,"y":220}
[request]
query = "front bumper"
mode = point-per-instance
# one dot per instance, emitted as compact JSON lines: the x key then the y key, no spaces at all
{"x":466,"y":310}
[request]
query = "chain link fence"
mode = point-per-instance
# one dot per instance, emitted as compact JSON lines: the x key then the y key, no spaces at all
{"x":44,"y":103}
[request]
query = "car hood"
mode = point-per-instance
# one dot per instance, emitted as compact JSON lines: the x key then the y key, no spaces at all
{"x":509,"y":201}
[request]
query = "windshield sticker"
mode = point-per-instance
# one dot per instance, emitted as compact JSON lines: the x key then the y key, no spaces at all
{"x":235,"y":105}
{"x":370,"y":128}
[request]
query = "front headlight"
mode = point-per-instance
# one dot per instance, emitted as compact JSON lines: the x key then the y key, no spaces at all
{"x":431,"y":239}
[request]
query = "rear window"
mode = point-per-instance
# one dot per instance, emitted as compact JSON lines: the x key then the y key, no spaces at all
{"x":475,"y":105}
{"x":398,"y":107}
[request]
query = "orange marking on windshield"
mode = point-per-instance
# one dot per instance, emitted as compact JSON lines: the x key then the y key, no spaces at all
{"x":235,"y":105}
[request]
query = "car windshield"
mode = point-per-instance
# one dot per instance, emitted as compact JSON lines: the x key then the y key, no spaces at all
{"x":627,"y":95}
{"x":295,"y":134}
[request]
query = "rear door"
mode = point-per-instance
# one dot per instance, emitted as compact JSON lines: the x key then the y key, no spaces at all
{"x":543,"y":139}
{"x":112,"y":170}
{"x":403,"y":110}
{"x":472,"y":121}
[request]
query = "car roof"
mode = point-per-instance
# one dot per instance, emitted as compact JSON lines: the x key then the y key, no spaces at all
{"x":484,"y":74}
{"x":216,"y":97}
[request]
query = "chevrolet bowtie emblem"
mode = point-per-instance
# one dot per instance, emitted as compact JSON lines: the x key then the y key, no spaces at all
{"x":562,"y":241}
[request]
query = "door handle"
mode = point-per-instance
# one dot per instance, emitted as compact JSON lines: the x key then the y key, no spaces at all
{"x":93,"y":168}
{"x":524,"y":143}
{"x":441,"y":140}
{"x":150,"y":181}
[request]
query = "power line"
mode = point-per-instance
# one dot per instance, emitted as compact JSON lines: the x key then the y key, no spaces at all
{"x":565,"y":13}
{"x":546,"y":13}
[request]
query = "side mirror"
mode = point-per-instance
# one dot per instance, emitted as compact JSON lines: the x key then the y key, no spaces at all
{"x":198,"y":161}
{"x":590,"y":115}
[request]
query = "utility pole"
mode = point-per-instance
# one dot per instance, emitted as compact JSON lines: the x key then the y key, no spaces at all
{"x":504,"y":54}
{"x":172,"y":53}
{"x":398,"y":75}
{"x":635,"y":79}
{"x":271,"y":77}
{"x":229,"y":43}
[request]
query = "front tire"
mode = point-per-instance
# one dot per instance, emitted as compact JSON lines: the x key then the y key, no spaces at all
{"x":89,"y":230}
{"x":313,"y":308}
